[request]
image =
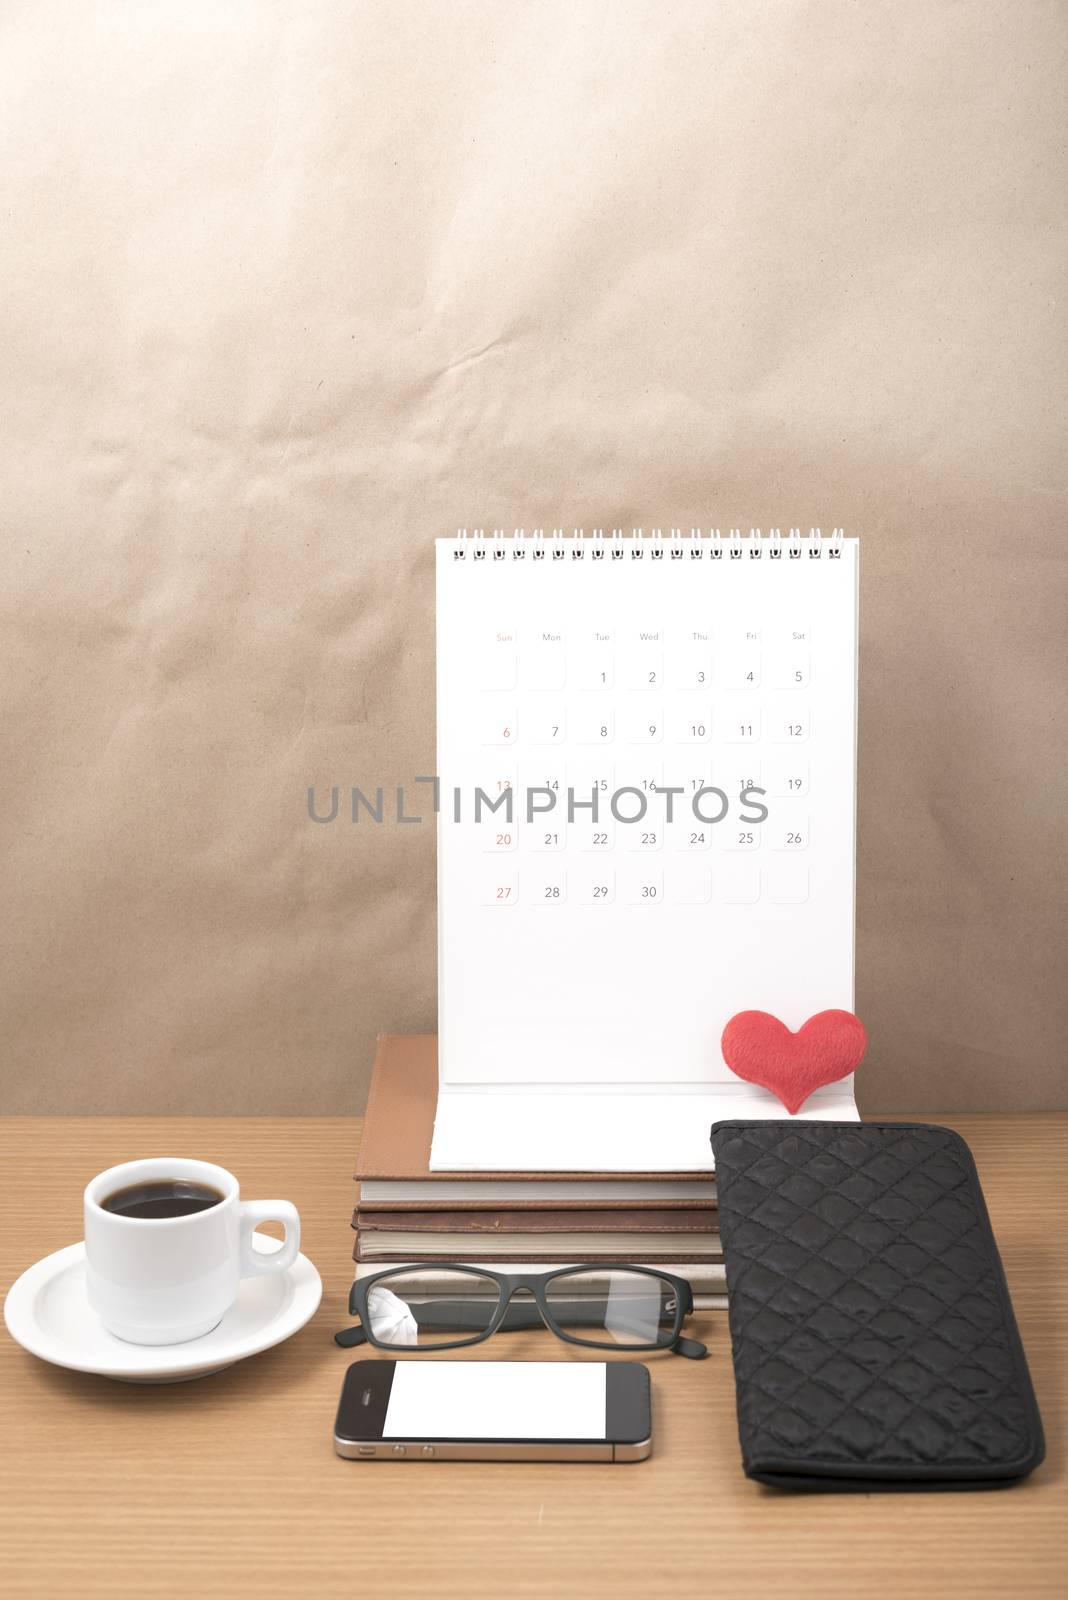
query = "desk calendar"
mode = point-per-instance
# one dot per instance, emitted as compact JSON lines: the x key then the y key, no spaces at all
{"x":646,"y":753}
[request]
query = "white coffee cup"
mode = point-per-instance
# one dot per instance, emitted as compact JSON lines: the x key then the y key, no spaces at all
{"x":163,"y":1280}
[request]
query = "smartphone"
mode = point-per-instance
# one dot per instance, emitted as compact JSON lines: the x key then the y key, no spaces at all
{"x":494,"y":1411}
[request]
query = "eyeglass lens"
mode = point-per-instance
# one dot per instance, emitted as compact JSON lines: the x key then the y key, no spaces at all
{"x":611,"y":1305}
{"x":412,"y":1310}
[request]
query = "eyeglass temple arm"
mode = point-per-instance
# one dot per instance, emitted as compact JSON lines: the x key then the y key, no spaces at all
{"x":692,"y":1349}
{"x":348,"y":1338}
{"x":446,"y":1317}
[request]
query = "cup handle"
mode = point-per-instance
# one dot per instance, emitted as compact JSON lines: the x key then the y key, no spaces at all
{"x":254,"y":1212}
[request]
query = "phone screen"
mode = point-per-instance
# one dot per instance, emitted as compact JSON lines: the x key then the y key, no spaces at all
{"x":497,"y":1400}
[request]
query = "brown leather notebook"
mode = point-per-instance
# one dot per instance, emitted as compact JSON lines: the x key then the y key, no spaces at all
{"x":393,"y":1169}
{"x":619,"y":1219}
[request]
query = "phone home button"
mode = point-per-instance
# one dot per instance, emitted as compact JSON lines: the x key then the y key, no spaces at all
{"x":400,"y":1450}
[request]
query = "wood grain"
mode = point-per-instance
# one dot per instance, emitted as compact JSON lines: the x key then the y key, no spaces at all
{"x":230,"y":1485}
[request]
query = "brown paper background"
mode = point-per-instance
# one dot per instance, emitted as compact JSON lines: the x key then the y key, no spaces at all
{"x":286,"y":290}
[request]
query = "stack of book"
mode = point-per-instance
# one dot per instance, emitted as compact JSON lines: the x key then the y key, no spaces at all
{"x":513,"y":1221}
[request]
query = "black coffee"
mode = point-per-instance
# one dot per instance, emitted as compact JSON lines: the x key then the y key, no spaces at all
{"x":163,"y":1197}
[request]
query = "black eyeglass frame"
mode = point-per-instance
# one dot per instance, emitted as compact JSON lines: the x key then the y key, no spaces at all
{"x":508,"y":1318}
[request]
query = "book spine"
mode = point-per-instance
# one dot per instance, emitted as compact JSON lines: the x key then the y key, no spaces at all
{"x":630,"y":1221}
{"x":505,"y":1202}
{"x":389,"y":1258}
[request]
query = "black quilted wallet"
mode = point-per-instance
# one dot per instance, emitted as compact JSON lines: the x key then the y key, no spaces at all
{"x":873,"y":1336}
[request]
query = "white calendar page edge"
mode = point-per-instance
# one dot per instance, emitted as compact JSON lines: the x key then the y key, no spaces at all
{"x":613,"y":1127}
{"x":609,"y":1132}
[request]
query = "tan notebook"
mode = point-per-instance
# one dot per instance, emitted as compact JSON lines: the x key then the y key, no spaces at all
{"x":707,"y":1277}
{"x":572,"y":1248}
{"x":394,"y":1161}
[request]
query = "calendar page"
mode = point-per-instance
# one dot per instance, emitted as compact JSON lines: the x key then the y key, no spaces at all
{"x":646,"y":753}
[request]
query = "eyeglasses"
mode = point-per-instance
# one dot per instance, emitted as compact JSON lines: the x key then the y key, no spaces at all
{"x":446,"y":1308}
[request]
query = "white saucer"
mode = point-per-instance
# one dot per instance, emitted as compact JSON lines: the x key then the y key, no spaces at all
{"x":47,"y":1312}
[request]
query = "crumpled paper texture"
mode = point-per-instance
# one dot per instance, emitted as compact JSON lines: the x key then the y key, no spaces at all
{"x":287,"y":290}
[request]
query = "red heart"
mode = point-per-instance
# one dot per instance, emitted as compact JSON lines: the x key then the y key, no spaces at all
{"x":761,"y":1049}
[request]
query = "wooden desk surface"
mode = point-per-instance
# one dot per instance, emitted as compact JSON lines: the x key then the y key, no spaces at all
{"x":230,"y":1485}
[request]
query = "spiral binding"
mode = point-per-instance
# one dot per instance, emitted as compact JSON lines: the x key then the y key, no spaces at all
{"x":652,"y":545}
